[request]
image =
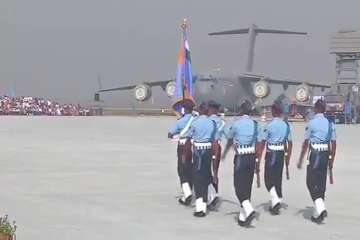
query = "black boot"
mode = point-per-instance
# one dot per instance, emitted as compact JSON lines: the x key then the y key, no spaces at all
{"x":186,"y":202}
{"x":241,"y":223}
{"x":250,"y":218}
{"x":275,"y":210}
{"x":199,"y":214}
{"x":324,"y":214}
{"x":213,"y":205}
{"x":318,"y":219}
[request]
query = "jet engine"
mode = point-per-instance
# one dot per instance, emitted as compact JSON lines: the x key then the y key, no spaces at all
{"x":142,"y":92}
{"x":261,"y":89}
{"x":303,"y":93}
{"x":170,"y":89}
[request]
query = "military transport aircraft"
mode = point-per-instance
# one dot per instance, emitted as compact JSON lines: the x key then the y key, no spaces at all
{"x":230,"y":92}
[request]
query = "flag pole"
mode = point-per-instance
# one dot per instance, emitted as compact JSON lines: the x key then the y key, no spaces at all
{"x":183,"y":70}
{"x":184,"y":25}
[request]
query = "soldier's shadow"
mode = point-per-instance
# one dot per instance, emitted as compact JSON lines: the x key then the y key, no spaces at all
{"x":221,"y":201}
{"x":306,"y":213}
{"x":235,"y":213}
{"x":266,"y":206}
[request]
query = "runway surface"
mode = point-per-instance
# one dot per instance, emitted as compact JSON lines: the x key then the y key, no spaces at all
{"x":115,"y":178}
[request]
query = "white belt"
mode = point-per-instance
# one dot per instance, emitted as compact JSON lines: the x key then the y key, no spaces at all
{"x":320,"y":146}
{"x":241,"y":150}
{"x":276,"y":147}
{"x":182,"y":141}
{"x":206,"y":145}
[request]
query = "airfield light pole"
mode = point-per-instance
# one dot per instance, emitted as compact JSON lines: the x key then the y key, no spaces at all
{"x":355,"y":90}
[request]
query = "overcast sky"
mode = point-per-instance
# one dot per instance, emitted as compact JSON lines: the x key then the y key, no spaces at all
{"x":57,"y":47}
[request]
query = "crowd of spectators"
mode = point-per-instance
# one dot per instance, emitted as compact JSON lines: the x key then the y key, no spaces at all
{"x":40,"y":106}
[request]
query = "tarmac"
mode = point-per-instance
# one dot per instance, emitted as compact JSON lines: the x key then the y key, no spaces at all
{"x":115,"y":178}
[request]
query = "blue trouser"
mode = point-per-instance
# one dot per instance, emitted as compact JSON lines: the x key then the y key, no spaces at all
{"x":184,"y":166}
{"x":202,"y":172}
{"x":316,"y":173}
{"x":244,"y":167}
{"x":274,"y":165}
{"x":217,"y":158}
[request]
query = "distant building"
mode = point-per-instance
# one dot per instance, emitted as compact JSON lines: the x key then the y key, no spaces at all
{"x":346,"y":47}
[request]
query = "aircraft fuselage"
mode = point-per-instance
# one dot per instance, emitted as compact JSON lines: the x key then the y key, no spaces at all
{"x":229,"y":92}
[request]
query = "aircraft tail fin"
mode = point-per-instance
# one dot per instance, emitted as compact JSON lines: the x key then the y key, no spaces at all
{"x":253,"y":30}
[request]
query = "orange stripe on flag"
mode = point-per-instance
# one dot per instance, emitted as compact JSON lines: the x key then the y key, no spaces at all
{"x":181,"y":59}
{"x":187,"y":95}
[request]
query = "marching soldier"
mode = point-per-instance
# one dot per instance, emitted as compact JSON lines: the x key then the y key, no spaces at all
{"x":245,"y":135}
{"x":202,"y":132}
{"x":277,"y":137}
{"x":184,"y":154}
{"x":213,"y":111}
{"x":320,"y":139}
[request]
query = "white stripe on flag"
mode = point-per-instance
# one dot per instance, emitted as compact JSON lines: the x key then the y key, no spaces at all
{"x":187,"y":47}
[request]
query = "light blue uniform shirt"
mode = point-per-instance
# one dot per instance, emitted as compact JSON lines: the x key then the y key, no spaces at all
{"x":277,"y":131}
{"x":348,"y":108}
{"x":317,"y":129}
{"x":220,"y":123}
{"x":180,"y":124}
{"x":242,"y":131}
{"x":202,"y":129}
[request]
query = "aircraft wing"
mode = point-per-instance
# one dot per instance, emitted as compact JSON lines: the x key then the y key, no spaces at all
{"x":255,"y":78}
{"x":129,"y":87}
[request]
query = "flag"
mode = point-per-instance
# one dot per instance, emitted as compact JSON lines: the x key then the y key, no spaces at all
{"x":184,"y":77}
